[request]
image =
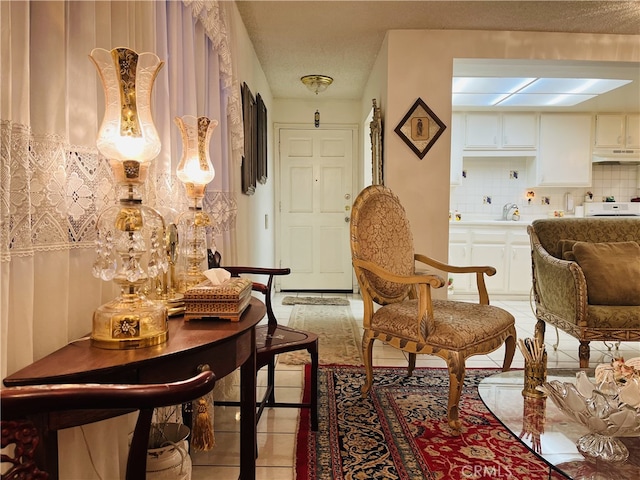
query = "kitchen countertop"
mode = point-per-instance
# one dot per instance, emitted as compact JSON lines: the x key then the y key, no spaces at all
{"x":479,"y":221}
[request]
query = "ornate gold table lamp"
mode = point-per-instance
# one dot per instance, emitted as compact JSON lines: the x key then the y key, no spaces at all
{"x":131,"y":236}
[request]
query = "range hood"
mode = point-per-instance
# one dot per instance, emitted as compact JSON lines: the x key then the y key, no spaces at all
{"x":616,"y":156}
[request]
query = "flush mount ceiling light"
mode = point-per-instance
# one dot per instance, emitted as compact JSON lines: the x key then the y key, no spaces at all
{"x":528,"y":92}
{"x":316,"y":83}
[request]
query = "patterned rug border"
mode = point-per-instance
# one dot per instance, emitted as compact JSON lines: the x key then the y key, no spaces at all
{"x":332,"y":467}
{"x":315,"y":301}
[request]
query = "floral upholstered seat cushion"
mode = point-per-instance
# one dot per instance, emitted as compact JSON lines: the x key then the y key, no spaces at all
{"x":619,"y":318}
{"x":456,"y":326}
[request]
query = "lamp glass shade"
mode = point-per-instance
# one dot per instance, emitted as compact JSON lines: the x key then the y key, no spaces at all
{"x":195,"y":165}
{"x":127,"y":131}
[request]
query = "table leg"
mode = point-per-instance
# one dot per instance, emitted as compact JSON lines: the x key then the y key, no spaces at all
{"x":248,"y":430}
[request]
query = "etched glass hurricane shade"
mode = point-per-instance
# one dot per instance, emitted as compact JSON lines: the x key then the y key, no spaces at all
{"x":127,"y":131}
{"x":195,"y":169}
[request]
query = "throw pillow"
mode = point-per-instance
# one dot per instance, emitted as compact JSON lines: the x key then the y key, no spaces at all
{"x":612,"y":271}
{"x":566,"y":249}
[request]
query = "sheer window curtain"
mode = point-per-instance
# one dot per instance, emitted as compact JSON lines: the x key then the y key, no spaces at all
{"x":53,"y":181}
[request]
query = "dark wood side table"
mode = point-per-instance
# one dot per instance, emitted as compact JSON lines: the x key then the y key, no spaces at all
{"x":221,"y":345}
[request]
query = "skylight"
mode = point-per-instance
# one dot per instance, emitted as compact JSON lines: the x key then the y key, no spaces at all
{"x":528,"y":92}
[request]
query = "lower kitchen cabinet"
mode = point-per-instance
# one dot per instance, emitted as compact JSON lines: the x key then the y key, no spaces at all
{"x":506,"y":248}
{"x":519,"y":263}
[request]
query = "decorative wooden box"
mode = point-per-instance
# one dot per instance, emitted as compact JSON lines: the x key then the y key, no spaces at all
{"x":227,"y":300}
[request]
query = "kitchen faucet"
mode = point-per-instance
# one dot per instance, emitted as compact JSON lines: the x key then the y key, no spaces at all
{"x":509,"y":212}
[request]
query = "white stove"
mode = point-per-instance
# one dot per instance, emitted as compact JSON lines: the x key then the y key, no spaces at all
{"x":612,"y":209}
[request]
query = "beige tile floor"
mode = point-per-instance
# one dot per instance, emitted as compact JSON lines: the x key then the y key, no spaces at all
{"x":277,"y":427}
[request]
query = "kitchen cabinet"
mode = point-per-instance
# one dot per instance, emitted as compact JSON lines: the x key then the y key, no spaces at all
{"x":617,"y":131}
{"x":500,"y":131}
{"x":460,"y":255}
{"x":519,"y":263}
{"x":506,"y":248}
{"x":482,"y":130}
{"x":564,"y":151}
{"x":520,"y":130}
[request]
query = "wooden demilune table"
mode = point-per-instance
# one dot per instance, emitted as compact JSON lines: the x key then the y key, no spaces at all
{"x":221,"y":345}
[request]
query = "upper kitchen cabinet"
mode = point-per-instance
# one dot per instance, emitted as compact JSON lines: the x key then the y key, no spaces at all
{"x":564,"y":151}
{"x":617,"y":131}
{"x":500,"y":133}
{"x":519,"y":130}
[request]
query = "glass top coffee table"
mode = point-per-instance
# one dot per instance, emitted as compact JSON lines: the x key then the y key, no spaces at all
{"x":549,"y":433}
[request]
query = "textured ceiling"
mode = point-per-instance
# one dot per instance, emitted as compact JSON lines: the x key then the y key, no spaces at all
{"x":342,"y":38}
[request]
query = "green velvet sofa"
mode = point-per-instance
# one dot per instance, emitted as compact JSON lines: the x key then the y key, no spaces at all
{"x":586,"y":278}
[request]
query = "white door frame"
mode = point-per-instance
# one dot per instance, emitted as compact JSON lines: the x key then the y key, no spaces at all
{"x":278,"y":188}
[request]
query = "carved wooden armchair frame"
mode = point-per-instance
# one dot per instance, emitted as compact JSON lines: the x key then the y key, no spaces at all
{"x":409,"y":318}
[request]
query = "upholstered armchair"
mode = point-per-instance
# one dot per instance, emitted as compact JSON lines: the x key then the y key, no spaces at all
{"x":408,"y":318}
{"x":586,"y":278}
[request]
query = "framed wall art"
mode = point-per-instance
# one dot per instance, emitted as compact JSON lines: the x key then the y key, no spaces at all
{"x":261,"y":139}
{"x":420,"y":128}
{"x":249,"y":160}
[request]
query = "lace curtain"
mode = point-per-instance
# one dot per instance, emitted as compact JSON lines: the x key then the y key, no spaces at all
{"x":54,"y":183}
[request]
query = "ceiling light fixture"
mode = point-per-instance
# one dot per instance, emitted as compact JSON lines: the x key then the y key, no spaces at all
{"x":317,"y":83}
{"x":528,"y":91}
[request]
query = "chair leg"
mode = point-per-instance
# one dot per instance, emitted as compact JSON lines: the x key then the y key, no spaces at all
{"x":455,"y":364}
{"x":367,"y":354}
{"x":137,"y":458}
{"x":412,"y":364}
{"x":539,"y":331}
{"x":271,"y":381}
{"x":510,"y":350}
{"x":584,"y":352}
{"x":313,"y":352}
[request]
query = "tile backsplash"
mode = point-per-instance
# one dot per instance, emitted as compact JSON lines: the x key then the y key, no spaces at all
{"x":489,"y":183}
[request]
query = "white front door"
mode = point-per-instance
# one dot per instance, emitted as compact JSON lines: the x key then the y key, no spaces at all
{"x":315,"y":207}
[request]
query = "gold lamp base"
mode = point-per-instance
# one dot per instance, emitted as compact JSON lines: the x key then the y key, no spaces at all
{"x":130,"y":321}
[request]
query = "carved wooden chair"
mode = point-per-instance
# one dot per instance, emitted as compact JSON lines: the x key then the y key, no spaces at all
{"x":24,"y":425}
{"x":408,"y":318}
{"x":273,"y":339}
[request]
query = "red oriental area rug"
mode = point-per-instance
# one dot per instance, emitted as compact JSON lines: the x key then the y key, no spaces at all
{"x":400,"y":431}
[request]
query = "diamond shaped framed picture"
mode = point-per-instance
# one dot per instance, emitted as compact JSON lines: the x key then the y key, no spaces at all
{"x":420,"y":128}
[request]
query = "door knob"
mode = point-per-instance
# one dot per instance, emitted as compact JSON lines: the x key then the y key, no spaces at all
{"x":346,"y":219}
